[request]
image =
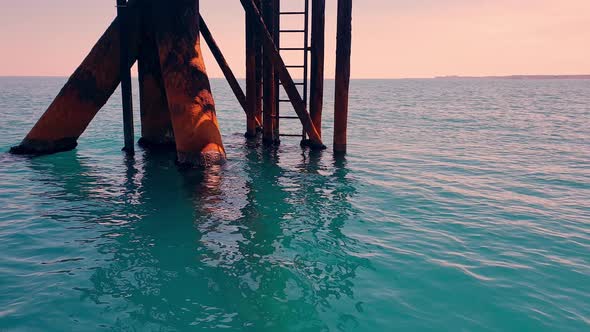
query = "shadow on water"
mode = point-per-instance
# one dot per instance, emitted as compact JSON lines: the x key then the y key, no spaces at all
{"x":252,"y":245}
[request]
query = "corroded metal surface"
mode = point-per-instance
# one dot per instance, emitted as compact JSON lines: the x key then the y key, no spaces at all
{"x":84,"y":94}
{"x":342,"y":80}
{"x":191,"y":104}
{"x":316,"y":91}
{"x":156,"y":125}
{"x":272,"y":55}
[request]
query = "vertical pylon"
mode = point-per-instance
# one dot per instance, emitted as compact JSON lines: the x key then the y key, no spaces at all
{"x":277,"y":41}
{"x":259,"y":75}
{"x":252,"y":79}
{"x":125,"y":73}
{"x":342,"y":81}
{"x":192,"y":109}
{"x":316,"y":91}
{"x":270,"y":13}
{"x":156,"y":124}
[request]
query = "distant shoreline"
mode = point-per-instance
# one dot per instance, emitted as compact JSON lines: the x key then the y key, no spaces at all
{"x":521,"y":77}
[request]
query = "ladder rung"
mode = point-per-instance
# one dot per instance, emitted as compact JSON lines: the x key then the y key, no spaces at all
{"x":305,"y":49}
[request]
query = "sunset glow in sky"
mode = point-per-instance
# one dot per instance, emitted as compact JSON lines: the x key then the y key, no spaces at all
{"x":391,"y":38}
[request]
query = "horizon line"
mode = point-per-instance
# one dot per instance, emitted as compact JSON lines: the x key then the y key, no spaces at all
{"x":362,"y":78}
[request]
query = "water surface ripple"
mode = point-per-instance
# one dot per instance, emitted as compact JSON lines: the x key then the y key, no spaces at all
{"x":463,"y":205}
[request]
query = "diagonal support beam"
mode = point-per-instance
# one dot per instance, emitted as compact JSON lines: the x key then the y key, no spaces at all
{"x":272,"y":54}
{"x":227,"y":72}
{"x":85,"y":92}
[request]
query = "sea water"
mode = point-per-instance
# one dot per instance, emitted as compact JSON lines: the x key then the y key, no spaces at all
{"x":462,"y":205}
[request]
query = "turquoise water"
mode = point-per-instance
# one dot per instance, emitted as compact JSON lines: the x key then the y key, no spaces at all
{"x":463,"y":205}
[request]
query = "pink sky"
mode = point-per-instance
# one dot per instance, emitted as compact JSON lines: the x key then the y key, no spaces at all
{"x":391,"y":38}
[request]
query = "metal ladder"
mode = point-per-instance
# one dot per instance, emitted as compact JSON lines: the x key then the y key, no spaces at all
{"x":305,"y":49}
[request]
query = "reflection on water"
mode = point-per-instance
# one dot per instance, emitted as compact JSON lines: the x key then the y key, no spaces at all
{"x":250,"y":245}
{"x":464,"y":207}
